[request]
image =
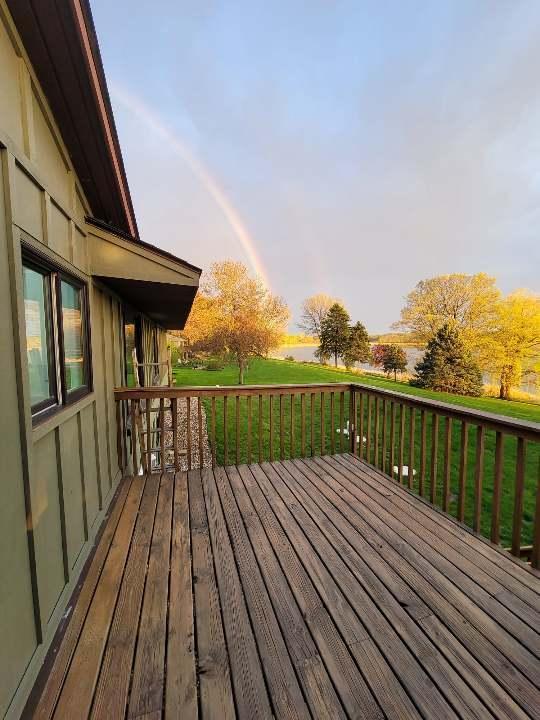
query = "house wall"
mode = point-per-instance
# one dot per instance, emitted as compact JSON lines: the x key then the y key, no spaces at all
{"x":57,"y":477}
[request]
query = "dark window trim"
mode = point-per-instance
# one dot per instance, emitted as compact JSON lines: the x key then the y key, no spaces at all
{"x":71,"y":396}
{"x":54,"y":275}
{"x":45,"y":407}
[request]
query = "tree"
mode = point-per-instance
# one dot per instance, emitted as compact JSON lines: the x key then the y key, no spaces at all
{"x":335,"y":333}
{"x":244,"y":318}
{"x":358,"y":349}
{"x":515,"y":338}
{"x":391,"y":358}
{"x":466,"y":302}
{"x":314,"y":310}
{"x":448,"y":366}
{"x":395,"y":360}
{"x":202,"y":320}
{"x":378,"y":353}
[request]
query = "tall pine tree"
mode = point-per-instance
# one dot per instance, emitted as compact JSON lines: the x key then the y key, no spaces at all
{"x":447,"y":365}
{"x":334,"y":338}
{"x":358,"y":349}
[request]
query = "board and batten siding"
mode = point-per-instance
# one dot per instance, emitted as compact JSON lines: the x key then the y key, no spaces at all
{"x":58,"y":477}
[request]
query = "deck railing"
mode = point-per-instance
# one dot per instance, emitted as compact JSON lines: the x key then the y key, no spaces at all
{"x":482,"y":468}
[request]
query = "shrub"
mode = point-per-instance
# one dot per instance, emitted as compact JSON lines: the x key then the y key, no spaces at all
{"x":214,"y":364}
{"x":289,"y":358}
{"x":448,"y":365}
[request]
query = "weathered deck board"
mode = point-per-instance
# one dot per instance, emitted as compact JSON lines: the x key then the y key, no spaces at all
{"x":306,"y":588}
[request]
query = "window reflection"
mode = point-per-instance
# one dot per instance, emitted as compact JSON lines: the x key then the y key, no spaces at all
{"x":73,"y":336}
{"x":37,"y":335}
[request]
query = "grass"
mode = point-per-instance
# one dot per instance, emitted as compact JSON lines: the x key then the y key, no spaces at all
{"x":230,"y":448}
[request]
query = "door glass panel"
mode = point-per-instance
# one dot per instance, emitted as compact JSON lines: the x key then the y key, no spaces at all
{"x":129,"y":335}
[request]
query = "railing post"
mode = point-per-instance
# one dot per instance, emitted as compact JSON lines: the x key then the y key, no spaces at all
{"x":352,"y":420}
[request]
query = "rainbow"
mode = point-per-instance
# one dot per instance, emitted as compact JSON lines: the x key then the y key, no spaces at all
{"x":145,"y":115}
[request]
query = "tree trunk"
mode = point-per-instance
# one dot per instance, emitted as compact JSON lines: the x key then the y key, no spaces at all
{"x":335,"y":359}
{"x":240,"y":371}
{"x":395,"y":375}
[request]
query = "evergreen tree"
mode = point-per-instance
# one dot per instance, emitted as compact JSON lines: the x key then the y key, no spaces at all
{"x":448,"y":366}
{"x":358,"y":349}
{"x":394,"y":360}
{"x":335,"y":332}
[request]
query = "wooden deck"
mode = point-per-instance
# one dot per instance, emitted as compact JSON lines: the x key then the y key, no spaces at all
{"x":305,"y":588}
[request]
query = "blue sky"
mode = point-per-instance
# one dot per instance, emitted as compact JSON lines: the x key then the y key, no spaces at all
{"x":360,"y":146}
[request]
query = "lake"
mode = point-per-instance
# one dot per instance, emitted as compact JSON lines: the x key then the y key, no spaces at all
{"x":306,"y":353}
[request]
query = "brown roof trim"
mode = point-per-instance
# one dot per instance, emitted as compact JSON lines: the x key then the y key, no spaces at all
{"x":83,"y":15}
{"x":60,"y":39}
{"x":152,"y":248}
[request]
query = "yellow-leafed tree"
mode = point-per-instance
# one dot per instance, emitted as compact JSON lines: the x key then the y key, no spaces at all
{"x":237,"y":314}
{"x":464,"y":302}
{"x":514,"y":339}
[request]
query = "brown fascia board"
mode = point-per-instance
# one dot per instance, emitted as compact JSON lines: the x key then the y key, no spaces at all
{"x":71,"y":74}
{"x":106,"y":97}
{"x":140,"y":243}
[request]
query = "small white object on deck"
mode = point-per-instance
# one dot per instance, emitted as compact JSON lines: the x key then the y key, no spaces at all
{"x":405,"y":470}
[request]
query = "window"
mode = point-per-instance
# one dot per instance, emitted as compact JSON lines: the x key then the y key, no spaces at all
{"x":57,"y":346}
{"x":37,"y":306}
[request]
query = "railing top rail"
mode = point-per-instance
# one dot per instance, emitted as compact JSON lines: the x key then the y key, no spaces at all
{"x":140,"y":393}
{"x":504,"y":423}
{"x":512,"y":426}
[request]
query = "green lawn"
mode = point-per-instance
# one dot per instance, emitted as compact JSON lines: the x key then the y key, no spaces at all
{"x":263,"y":372}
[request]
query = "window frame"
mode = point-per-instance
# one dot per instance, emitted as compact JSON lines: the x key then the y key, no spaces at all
{"x":53,"y":275}
{"x":45,"y":407}
{"x":71,"y":396}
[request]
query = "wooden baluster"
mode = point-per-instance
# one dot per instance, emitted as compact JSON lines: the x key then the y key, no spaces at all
{"x":354,"y":422}
{"x":162,"y":434}
{"x":383,"y":458}
{"x":237,"y":430}
{"x":497,"y":489}
{"x":133,"y":418}
{"x":323,"y":449}
{"x":145,"y":457}
{"x":377,"y":432}
{"x":368,"y":431}
{"x":410,"y":474}
{"x":200,"y":430}
{"x":341,"y":419}
{"x":478,"y":478}
{"x":332,"y":425}
{"x":292,"y":449}
{"x":423,"y":444}
{"x":271,"y":423}
{"x":303,"y":423}
{"x":392,"y":437}
{"x":249,"y":429}
{"x":535,"y":556}
{"x":401,"y":442}
{"x":214,"y":439}
{"x":463,"y":454}
{"x":188,"y":432}
{"x":225,"y":432}
{"x":260,"y":429}
{"x":150,"y":439}
{"x":119,"y":437}
{"x":361,"y":426}
{"x":518,"y":496}
{"x":281,"y":429}
{"x":174,"y":425}
{"x":447,"y":463}
{"x":312,"y":422}
{"x":434,"y":452}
